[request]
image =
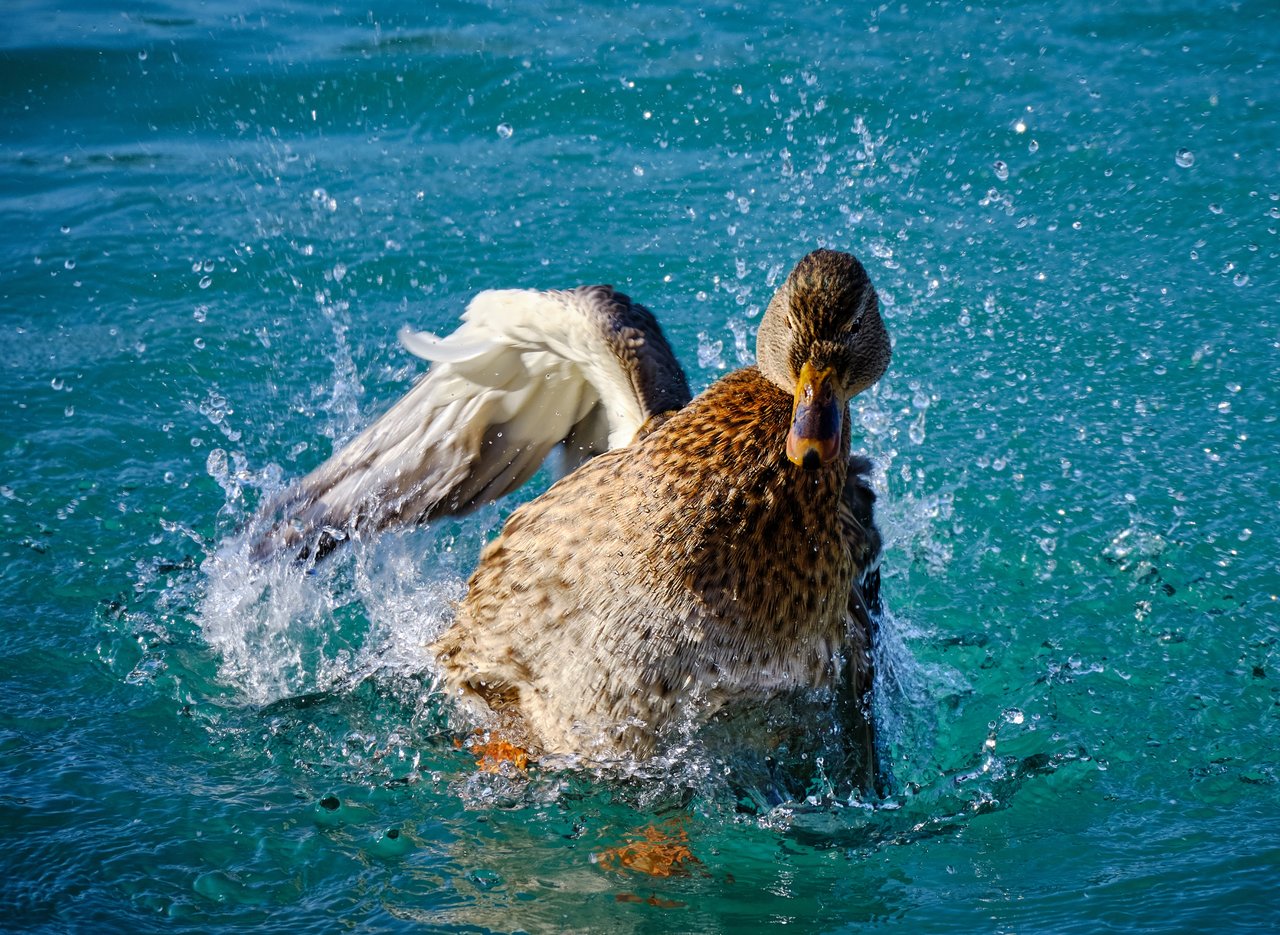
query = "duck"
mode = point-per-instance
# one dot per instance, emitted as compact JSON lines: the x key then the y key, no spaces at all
{"x":700,"y":558}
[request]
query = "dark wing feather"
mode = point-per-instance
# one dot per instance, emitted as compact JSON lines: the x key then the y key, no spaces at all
{"x":860,"y":532}
{"x":527,"y":371}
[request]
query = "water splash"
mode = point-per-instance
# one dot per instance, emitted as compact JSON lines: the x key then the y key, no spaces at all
{"x":283,"y":628}
{"x":908,"y":696}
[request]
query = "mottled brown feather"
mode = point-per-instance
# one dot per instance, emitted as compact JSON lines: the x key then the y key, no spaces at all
{"x":697,"y":569}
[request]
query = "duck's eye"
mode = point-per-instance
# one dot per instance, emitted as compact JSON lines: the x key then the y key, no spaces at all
{"x":851,"y":326}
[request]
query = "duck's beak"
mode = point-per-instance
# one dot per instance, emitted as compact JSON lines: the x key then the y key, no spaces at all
{"x":816,"y":419}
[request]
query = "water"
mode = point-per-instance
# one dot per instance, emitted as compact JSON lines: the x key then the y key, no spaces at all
{"x":214,"y":221}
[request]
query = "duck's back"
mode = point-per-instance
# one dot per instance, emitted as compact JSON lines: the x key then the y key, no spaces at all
{"x":697,"y":564}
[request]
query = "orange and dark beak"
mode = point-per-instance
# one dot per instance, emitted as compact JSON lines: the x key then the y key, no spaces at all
{"x":816,"y":419}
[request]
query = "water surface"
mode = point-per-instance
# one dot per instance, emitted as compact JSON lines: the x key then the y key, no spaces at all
{"x":214,"y":219}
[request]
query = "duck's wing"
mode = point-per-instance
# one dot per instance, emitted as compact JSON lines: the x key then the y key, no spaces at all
{"x":526,"y":371}
{"x":857,"y":522}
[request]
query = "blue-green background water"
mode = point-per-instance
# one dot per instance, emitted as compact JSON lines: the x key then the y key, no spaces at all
{"x":213,"y":219}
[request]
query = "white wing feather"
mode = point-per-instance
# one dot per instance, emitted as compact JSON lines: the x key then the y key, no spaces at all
{"x":525,"y":371}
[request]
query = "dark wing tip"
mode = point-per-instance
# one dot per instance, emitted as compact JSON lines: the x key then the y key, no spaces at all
{"x":636,"y":338}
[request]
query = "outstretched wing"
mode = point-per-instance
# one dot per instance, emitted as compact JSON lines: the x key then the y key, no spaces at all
{"x":526,"y":371}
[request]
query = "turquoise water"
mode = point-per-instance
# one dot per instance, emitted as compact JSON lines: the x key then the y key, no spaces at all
{"x":214,"y":219}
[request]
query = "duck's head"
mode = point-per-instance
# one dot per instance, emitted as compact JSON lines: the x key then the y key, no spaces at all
{"x":822,"y":340}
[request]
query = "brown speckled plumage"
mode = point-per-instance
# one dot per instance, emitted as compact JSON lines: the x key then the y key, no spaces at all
{"x":699,"y":568}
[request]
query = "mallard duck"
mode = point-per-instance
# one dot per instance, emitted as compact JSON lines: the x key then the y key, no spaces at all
{"x":698,"y":558}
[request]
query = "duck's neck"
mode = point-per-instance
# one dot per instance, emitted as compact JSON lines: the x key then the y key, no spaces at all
{"x":736,"y":432}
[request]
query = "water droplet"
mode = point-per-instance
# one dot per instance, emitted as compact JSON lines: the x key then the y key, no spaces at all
{"x":1001,"y":170}
{"x":1185,"y":158}
{"x":1215,"y":209}
{"x":57,"y":383}
{"x":199,"y":343}
{"x":69,"y":264}
{"x":1033,"y":146}
{"x":216,"y":463}
{"x":1241,"y":279}
{"x":142,"y":55}
{"x":637,"y":170}
{"x":65,"y":228}
{"x":206,"y":282}
{"x":505,"y":130}
{"x":710,"y":352}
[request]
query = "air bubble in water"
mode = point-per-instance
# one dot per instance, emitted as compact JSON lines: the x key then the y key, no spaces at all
{"x":1185,"y":158}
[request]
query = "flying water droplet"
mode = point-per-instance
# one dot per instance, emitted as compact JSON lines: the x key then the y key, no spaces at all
{"x":1001,"y":170}
{"x":505,"y":130}
{"x":1185,"y":158}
